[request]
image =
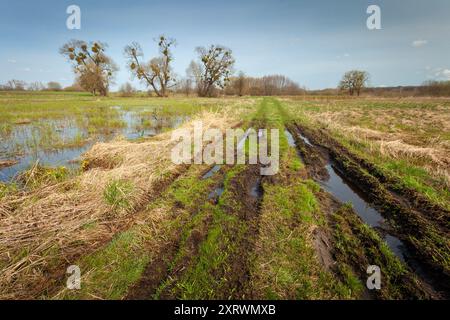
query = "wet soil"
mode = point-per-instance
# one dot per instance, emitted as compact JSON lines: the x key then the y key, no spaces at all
{"x":57,"y":272}
{"x":160,"y":269}
{"x":331,"y":169}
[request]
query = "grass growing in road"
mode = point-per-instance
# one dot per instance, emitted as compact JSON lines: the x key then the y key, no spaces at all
{"x":112,"y":270}
{"x":286,"y":262}
{"x":358,"y":246}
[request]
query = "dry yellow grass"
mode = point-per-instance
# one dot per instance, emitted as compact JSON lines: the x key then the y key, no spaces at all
{"x":412,"y":145}
{"x":41,"y":228}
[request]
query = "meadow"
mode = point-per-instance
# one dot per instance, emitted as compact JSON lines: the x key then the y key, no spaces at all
{"x":56,"y":128}
{"x":408,"y":138}
{"x":362,"y":181}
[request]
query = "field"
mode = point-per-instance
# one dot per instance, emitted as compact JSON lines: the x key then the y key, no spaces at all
{"x":89,"y":182}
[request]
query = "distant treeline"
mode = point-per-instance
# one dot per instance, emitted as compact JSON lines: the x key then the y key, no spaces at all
{"x":19,"y":85}
{"x":241,"y":85}
{"x":428,"y":89}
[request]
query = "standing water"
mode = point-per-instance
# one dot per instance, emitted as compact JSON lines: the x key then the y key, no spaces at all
{"x":62,"y":142}
{"x":339,"y":187}
{"x":344,"y":191}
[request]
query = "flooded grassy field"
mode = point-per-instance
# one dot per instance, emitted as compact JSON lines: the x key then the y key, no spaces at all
{"x":54,"y":129}
{"x":90,"y":182}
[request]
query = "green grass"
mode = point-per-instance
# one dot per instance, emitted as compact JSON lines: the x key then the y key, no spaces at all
{"x":44,"y":112}
{"x":358,"y":246}
{"x":16,"y":106}
{"x":289,"y":213}
{"x":419,"y":122}
{"x":39,"y":175}
{"x":407,"y":173}
{"x":114,"y":268}
{"x":200,"y":281}
{"x":6,"y":189}
{"x":109,"y":272}
{"x":117,"y":194}
{"x":418,"y":179}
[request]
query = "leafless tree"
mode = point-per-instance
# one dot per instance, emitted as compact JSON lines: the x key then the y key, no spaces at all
{"x":435,"y":88}
{"x":240,"y":84}
{"x":185,"y":86}
{"x":194,"y":72}
{"x":157,"y":73}
{"x":94,"y":69}
{"x":36,"y":86}
{"x":265,"y":86}
{"x":354,"y":81}
{"x":213,"y":69}
{"x":127,"y":90}
{"x":14,"y":85}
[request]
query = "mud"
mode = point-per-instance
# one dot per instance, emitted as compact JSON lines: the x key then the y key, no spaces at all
{"x":212,"y":172}
{"x":54,"y":275}
{"x":160,"y":269}
{"x":394,"y":220}
{"x":190,"y":251}
{"x":407,"y":197}
{"x":247,"y":191}
{"x":358,"y":249}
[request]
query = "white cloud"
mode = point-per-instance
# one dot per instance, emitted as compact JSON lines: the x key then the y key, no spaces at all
{"x":443,"y":74}
{"x":419,"y":43}
{"x":27,"y":69}
{"x":12,"y":60}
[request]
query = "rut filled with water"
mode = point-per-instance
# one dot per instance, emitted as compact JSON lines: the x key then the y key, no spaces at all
{"x":342,"y":189}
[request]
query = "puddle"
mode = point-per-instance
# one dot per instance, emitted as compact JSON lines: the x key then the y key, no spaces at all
{"x":54,"y":159}
{"x":396,"y":246}
{"x":290,"y":139}
{"x":291,"y":142}
{"x":215,"y":195}
{"x":305,"y":139}
{"x":342,"y":190}
{"x":30,"y":142}
{"x":218,"y":192}
{"x":337,"y":185}
{"x":347,"y":193}
{"x":339,"y":188}
{"x":211,"y":172}
{"x":256,"y":190}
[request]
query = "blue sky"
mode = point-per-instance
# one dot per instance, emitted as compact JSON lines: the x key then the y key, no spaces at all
{"x":312,"y":42}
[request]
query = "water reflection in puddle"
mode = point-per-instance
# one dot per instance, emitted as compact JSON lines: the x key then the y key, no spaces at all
{"x":25,"y":142}
{"x":290,"y":139}
{"x":211,"y":172}
{"x":337,"y":185}
{"x":215,"y":195}
{"x":341,"y":190}
{"x":256,"y":190}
